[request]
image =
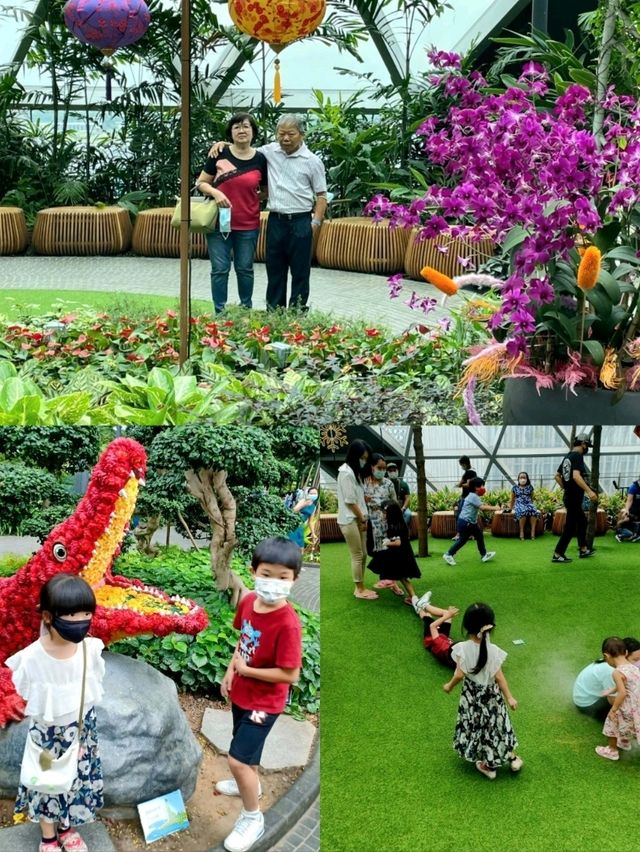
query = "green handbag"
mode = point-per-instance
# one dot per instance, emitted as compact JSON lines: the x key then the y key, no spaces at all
{"x":204,"y":214}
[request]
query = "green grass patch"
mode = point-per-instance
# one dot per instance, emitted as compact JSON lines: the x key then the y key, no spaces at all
{"x":390,"y":777}
{"x":15,"y":304}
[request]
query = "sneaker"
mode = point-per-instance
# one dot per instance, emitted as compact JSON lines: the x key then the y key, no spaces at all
{"x":516,"y":764}
{"x":228,"y":787}
{"x":448,"y":558}
{"x":50,"y":846}
{"x":584,"y":554}
{"x":488,"y":555}
{"x":561,"y":559}
{"x":485,"y":770}
{"x":422,"y":602}
{"x":609,"y":753}
{"x":625,"y":745}
{"x":71,"y":841}
{"x":246,"y":832}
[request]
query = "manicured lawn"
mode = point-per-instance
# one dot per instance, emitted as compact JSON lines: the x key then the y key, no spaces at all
{"x":390,"y":778}
{"x":15,"y":304}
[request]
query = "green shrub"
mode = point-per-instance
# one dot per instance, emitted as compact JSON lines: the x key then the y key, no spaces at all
{"x":328,"y":502}
{"x":44,"y":520}
{"x":10,"y":563}
{"x":198,"y":663}
{"x":443,"y":500}
{"x":24,"y":492}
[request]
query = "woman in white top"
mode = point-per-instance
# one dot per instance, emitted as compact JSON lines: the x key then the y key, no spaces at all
{"x":353,"y":514}
{"x":48,"y":675}
{"x":483,"y":734}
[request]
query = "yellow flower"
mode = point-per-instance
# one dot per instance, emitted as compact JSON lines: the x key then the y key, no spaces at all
{"x":610,"y":372}
{"x":589,"y":269}
{"x":447,"y":285}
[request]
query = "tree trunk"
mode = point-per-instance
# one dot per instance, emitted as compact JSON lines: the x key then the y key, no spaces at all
{"x":210,"y":489}
{"x":143,"y":534}
{"x":595,"y":483}
{"x":421,"y":487}
{"x":604,"y":60}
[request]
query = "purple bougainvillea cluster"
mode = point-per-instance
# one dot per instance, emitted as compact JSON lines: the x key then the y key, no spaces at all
{"x":508,"y":162}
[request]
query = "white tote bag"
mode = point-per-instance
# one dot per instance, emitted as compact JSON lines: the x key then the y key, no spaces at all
{"x":42,"y":772}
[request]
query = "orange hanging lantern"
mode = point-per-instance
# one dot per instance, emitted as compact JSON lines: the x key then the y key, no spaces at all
{"x":277,"y":22}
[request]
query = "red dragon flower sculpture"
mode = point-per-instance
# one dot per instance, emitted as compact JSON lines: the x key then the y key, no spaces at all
{"x":86,"y":544}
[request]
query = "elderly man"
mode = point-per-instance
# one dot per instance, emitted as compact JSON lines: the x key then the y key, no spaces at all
{"x":297,"y":204}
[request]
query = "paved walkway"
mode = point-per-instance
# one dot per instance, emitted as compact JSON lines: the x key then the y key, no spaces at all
{"x":350,"y":295}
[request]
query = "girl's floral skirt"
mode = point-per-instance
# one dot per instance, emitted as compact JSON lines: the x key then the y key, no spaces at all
{"x":483,"y":729}
{"x":80,"y":804}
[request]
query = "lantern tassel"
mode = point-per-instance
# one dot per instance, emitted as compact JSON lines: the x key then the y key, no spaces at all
{"x":277,"y":87}
{"x":108,"y":85}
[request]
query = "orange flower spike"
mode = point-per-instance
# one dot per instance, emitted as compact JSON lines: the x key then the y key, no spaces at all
{"x":445,"y":284}
{"x":589,"y":269}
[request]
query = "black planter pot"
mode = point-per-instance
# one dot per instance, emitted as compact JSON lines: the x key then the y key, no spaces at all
{"x":524,"y":406}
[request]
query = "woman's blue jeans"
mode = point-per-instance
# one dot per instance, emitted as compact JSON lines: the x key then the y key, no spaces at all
{"x":242,"y":245}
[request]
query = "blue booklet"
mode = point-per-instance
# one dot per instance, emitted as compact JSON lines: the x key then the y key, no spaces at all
{"x":162,"y":816}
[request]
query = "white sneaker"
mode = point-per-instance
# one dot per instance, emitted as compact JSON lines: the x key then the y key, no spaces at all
{"x":228,"y":787}
{"x":422,"y":602}
{"x":488,"y":555}
{"x":484,"y":769}
{"x":246,"y":832}
{"x":448,"y":558}
{"x":516,"y":764}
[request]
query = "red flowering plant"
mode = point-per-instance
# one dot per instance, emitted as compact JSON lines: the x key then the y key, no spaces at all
{"x":546,"y":187}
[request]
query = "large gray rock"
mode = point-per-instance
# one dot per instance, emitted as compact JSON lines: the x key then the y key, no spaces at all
{"x":146,"y":745}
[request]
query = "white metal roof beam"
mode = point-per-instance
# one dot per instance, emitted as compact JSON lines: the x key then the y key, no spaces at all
{"x":384,"y":39}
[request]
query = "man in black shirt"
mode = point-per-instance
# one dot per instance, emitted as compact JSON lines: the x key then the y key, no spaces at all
{"x":571,"y":476}
{"x":403,"y":493}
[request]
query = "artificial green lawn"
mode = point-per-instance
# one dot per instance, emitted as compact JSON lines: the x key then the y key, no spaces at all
{"x":14,"y":304}
{"x":390,"y":777}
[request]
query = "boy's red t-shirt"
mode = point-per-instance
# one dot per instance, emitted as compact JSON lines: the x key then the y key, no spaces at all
{"x":439,"y":647}
{"x":267,"y":640}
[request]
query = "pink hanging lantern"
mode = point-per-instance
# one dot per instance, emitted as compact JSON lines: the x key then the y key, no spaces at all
{"x":107,"y":25}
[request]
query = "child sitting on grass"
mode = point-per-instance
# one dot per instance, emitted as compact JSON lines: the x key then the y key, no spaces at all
{"x":436,"y":630}
{"x":622,"y":725}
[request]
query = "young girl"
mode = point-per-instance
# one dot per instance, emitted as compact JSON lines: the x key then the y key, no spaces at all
{"x":483,"y":732}
{"x":522,"y":504}
{"x":467,"y":523}
{"x":436,"y":630}
{"x":396,"y":561}
{"x":48,"y":675}
{"x":622,"y":725}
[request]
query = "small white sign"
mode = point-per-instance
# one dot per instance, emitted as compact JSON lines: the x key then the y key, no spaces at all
{"x":163,"y":816}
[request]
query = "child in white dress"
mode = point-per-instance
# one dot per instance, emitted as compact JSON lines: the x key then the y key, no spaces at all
{"x":48,"y":675}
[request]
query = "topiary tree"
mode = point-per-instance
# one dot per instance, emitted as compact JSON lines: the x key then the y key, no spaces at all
{"x":211,"y":461}
{"x":24,"y":492}
{"x":59,"y":449}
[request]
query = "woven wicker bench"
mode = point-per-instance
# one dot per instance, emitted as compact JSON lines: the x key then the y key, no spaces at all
{"x":13,"y":230}
{"x":504,"y":524}
{"x":358,"y":244}
{"x":82,"y":230}
{"x":153,"y":235}
{"x":560,"y":517}
{"x":421,"y":253}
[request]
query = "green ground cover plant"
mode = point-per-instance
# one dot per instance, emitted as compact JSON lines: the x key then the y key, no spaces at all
{"x":16,"y":304}
{"x":94,"y":367}
{"x":388,"y":768}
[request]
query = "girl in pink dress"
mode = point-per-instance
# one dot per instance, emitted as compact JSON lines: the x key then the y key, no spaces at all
{"x":622,"y":725}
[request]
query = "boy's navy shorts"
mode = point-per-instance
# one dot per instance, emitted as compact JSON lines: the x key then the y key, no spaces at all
{"x":250,"y":729}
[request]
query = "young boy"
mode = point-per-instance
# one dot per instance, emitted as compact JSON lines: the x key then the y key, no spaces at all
{"x":436,"y":631}
{"x":266,"y":662}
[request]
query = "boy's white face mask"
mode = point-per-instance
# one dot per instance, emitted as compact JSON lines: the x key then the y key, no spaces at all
{"x":272,"y":590}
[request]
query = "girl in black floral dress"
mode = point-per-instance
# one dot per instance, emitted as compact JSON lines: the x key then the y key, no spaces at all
{"x":483,"y":734}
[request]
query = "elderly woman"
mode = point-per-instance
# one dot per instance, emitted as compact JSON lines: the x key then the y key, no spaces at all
{"x":237,"y":179}
{"x":352,"y":513}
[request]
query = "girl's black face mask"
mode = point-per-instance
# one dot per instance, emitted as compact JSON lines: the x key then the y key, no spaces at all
{"x":72,"y":631}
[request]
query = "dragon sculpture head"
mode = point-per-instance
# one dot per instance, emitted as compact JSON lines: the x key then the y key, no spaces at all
{"x":86,"y":544}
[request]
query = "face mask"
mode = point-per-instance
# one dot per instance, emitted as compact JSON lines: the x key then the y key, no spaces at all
{"x":586,"y":451}
{"x":378,"y":474}
{"x":522,"y":482}
{"x":481,"y":492}
{"x":224,"y":221}
{"x":272,"y":590}
{"x":72,"y":631}
{"x":362,"y":462}
{"x":393,"y":475}
{"x":312,"y":497}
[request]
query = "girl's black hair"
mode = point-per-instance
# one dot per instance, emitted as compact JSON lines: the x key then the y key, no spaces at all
{"x":278,"y":551}
{"x":465,"y":461}
{"x":526,"y":474}
{"x":396,"y":525}
{"x":614,"y":646}
{"x":631,"y":644}
{"x":240,"y":118}
{"x":477,"y":616}
{"x":66,"y":594}
{"x":476,"y":482}
{"x":374,"y":458}
{"x":355,"y":451}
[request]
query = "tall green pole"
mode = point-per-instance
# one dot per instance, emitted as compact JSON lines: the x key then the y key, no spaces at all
{"x":185,"y":180}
